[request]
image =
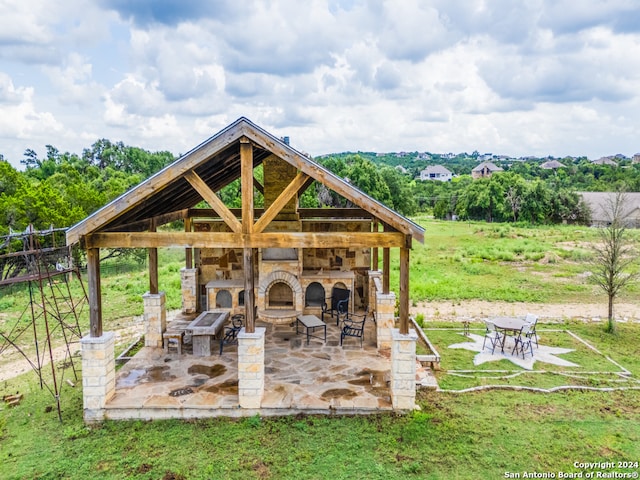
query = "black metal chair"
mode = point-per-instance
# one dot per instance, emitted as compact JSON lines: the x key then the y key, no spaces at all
{"x":353,"y":326}
{"x":523,"y":340}
{"x":230,"y":336}
{"x":339,"y":303}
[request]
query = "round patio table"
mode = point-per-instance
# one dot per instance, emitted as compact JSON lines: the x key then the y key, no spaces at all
{"x":509,"y":326}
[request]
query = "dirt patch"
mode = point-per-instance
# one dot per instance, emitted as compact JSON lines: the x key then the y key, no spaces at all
{"x":547,"y":312}
{"x":13,"y":364}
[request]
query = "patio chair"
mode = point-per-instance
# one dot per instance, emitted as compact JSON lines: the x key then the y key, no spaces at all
{"x":491,"y":334}
{"x":533,"y":320}
{"x":339,"y":303}
{"x":230,"y":336}
{"x":353,"y":326}
{"x":523,"y":340}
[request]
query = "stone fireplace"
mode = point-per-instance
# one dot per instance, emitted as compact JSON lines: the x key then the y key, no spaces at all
{"x":280,"y":297}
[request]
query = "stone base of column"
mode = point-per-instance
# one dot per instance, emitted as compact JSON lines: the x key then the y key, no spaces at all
{"x":189,"y":279}
{"x":98,"y":375}
{"x":251,"y":368}
{"x":403,"y":370}
{"x":385,"y":318}
{"x":155,"y":318}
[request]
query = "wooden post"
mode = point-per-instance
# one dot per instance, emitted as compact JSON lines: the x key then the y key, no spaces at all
{"x":404,"y":290}
{"x":188,"y":252}
{"x":249,"y":297}
{"x":246,"y":179}
{"x":375,"y":260}
{"x":386,"y":265}
{"x":153,"y":265}
{"x":95,"y":295}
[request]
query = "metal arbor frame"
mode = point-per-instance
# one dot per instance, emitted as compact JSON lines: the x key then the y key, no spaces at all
{"x":52,"y":314}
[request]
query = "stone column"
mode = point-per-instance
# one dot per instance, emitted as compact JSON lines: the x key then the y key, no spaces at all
{"x":251,"y":367}
{"x":98,"y":375}
{"x":385,"y":318}
{"x":155,"y":318}
{"x":375,"y":278}
{"x":189,"y":278}
{"x":403,"y":370}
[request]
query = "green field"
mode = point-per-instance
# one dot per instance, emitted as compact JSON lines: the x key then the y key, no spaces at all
{"x":473,"y":260}
{"x":485,"y":434}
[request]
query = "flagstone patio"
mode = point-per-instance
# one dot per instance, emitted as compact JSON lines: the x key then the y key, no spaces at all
{"x":316,"y":378}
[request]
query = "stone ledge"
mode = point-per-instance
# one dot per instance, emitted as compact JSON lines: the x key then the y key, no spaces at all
{"x":106,"y":337}
{"x":259,"y":333}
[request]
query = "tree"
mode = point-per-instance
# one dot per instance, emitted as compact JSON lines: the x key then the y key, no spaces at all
{"x":615,"y":254}
{"x":402,"y":198}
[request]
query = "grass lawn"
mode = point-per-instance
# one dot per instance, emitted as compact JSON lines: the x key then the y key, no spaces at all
{"x":475,"y":260}
{"x":476,"y":435}
{"x":454,"y":436}
{"x":603,"y":367}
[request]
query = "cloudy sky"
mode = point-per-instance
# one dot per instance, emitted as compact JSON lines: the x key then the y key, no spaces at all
{"x":534,"y":77}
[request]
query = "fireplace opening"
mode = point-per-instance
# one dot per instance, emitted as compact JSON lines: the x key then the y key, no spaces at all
{"x":223,"y":299}
{"x":314,"y":296}
{"x":280,"y":296}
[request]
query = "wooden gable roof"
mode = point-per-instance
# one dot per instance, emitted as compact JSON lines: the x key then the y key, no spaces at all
{"x":169,"y":193}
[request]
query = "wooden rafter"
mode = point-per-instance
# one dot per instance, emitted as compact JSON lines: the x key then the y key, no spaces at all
{"x":145,"y":224}
{"x":258,"y":186}
{"x":212,"y":199}
{"x":156,"y":183}
{"x":287,"y":194}
{"x":324,"y":176}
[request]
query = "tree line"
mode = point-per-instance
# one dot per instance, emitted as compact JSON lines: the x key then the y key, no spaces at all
{"x":61,"y":189}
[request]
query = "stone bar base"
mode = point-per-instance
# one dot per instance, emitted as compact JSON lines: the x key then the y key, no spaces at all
{"x":251,"y":368}
{"x":385,"y":318}
{"x":98,"y":375}
{"x":403,"y":370}
{"x":375,"y":285}
{"x":155,"y":318}
{"x":189,"y":279}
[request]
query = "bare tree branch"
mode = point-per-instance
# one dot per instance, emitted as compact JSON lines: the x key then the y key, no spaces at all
{"x":615,"y":254}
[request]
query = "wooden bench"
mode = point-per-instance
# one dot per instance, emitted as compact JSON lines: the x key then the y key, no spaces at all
{"x":174,"y":337}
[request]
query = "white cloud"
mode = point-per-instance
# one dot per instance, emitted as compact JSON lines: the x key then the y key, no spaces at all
{"x":19,"y":118}
{"x":541,"y":77}
{"x":73,"y":81}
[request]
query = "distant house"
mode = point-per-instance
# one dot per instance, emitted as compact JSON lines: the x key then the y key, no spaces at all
{"x":401,"y":169}
{"x":485,"y":170}
{"x":599,"y":202}
{"x":605,"y":161}
{"x":436,"y":172}
{"x":551,"y":165}
{"x":636,"y":158}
